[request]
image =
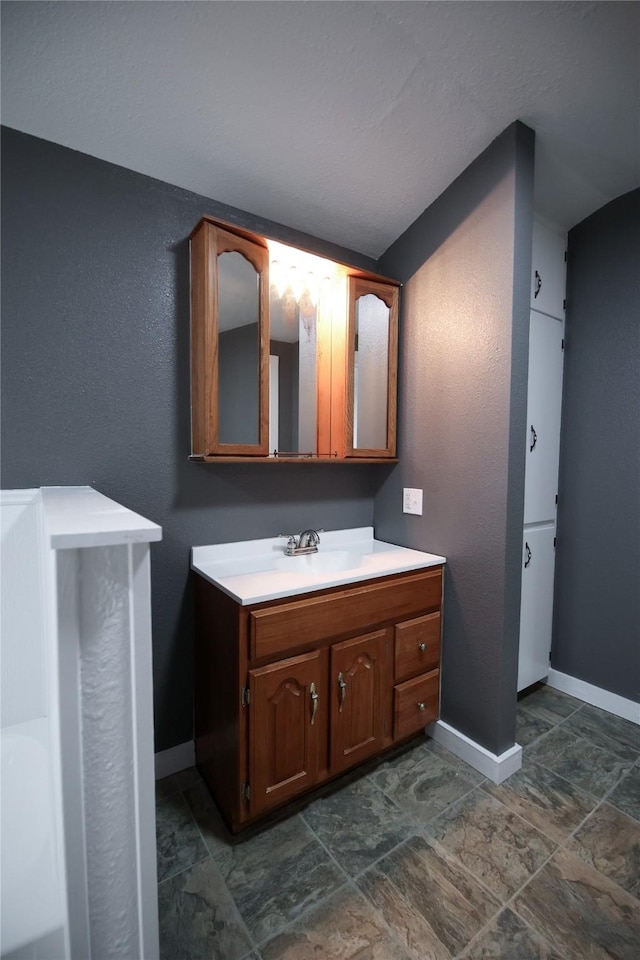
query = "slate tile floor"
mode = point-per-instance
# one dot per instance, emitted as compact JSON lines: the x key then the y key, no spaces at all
{"x":420,"y":858}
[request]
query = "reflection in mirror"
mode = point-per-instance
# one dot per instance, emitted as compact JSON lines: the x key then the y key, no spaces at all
{"x":294,"y":342}
{"x":371,"y":373}
{"x":238,"y":350}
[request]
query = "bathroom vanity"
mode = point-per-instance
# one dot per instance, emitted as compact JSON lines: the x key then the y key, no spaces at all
{"x":306,"y":666}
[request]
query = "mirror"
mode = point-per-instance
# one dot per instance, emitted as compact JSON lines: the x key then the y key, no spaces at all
{"x":294,"y":342}
{"x":372,"y":345}
{"x":371,"y":363}
{"x":238,"y":350}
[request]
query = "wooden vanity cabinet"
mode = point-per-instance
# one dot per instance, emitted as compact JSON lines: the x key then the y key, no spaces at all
{"x":291,"y":693}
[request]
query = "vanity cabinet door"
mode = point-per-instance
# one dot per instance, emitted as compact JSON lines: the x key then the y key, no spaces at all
{"x":288,"y":720}
{"x":357,"y":706}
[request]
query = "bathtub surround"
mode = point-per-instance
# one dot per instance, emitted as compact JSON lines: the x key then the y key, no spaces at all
{"x":87,"y":771}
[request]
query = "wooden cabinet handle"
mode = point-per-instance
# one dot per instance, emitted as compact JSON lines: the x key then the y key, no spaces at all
{"x":343,"y":690}
{"x":422,"y":647}
{"x":314,"y":702}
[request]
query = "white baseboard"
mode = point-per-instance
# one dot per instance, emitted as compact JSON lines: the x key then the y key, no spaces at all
{"x":491,"y":765}
{"x":596,"y":696}
{"x":175,"y":759}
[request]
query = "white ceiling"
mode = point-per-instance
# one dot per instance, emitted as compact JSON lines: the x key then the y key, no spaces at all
{"x":341,"y":119}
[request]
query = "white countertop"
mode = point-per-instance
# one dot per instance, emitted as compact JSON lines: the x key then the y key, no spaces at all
{"x":248,"y":569}
{"x":82,"y":517}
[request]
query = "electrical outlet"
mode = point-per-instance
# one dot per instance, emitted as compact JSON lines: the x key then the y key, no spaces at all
{"x":412,"y":501}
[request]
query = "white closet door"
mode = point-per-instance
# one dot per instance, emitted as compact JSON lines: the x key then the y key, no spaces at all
{"x":544,"y":403}
{"x":548,"y":271}
{"x":536,"y":610}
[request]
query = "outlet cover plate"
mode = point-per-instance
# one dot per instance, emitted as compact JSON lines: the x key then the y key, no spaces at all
{"x":412,"y":501}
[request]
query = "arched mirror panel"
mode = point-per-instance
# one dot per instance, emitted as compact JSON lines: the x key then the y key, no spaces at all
{"x":229,"y":344}
{"x":371,"y":373}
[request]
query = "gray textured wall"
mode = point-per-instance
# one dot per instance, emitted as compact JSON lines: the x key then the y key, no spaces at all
{"x":95,"y":379}
{"x":462,"y":385}
{"x":596,"y":634}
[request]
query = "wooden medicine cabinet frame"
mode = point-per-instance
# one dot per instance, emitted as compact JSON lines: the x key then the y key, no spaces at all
{"x":389,"y":295}
{"x":334,"y":390}
{"x":208,"y":241}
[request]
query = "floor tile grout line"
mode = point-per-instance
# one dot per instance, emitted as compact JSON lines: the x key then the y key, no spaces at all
{"x":464,"y":953}
{"x":421,"y":824}
{"x":287,"y":927}
{"x":324,"y":846}
{"x":381,"y":918}
{"x":584,"y":736}
{"x":317,"y":903}
{"x":590,"y":742}
{"x":178,"y":873}
{"x":447,"y":855}
{"x":211,"y":857}
{"x":369,"y":865}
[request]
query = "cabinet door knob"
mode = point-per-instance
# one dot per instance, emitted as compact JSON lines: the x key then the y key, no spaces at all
{"x":422,"y":647}
{"x":314,"y":702}
{"x":421,"y":705}
{"x":343,"y":690}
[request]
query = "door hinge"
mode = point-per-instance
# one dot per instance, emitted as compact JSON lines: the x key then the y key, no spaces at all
{"x":246,"y":791}
{"x":556,"y":499}
{"x":245,"y":697}
{"x":565,"y":256}
{"x":555,"y":540}
{"x":562,"y":344}
{"x":564,"y":304}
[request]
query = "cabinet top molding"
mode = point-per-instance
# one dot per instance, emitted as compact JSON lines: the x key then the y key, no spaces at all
{"x":261,"y":239}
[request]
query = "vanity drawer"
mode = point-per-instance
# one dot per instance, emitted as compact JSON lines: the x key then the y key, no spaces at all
{"x":417,"y":646}
{"x":415,"y":704}
{"x":300,"y":623}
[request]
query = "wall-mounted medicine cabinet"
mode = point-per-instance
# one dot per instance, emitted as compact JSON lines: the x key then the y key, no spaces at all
{"x":293,"y":356}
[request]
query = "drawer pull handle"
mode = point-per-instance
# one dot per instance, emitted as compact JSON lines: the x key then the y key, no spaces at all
{"x":422,"y":647}
{"x":314,"y":702}
{"x":343,"y":690}
{"x":421,"y":705}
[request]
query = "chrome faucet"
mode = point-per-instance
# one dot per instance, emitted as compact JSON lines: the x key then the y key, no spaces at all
{"x":307,"y":542}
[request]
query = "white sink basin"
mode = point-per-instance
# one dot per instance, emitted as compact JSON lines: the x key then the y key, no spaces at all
{"x":255,"y":571}
{"x":331,"y":561}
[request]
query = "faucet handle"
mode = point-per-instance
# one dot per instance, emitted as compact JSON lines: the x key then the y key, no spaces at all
{"x":292,"y":543}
